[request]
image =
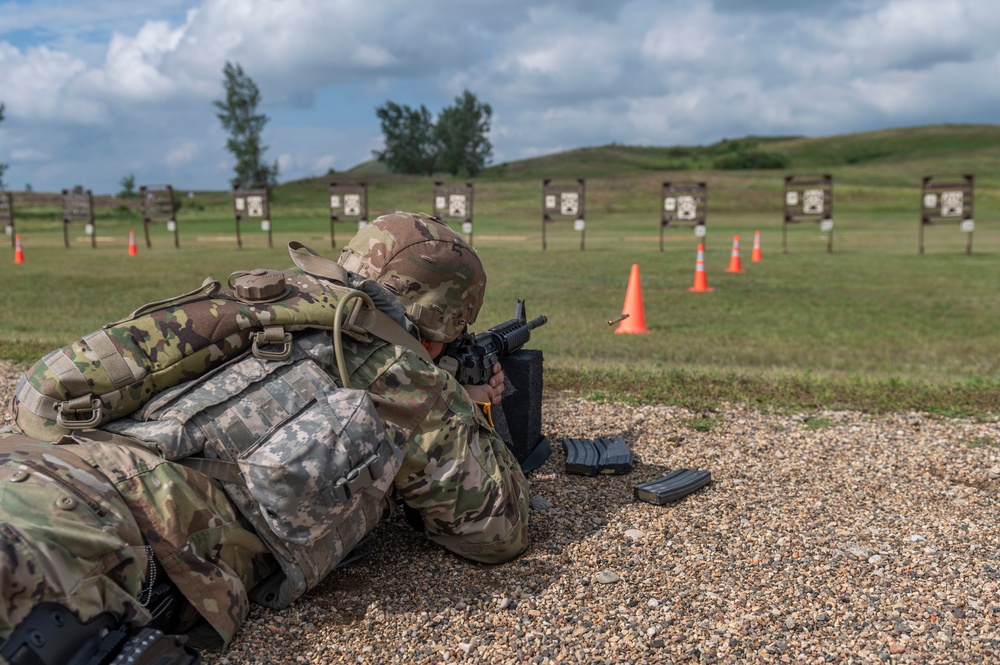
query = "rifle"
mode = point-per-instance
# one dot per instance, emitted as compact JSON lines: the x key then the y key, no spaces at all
{"x":470,"y":357}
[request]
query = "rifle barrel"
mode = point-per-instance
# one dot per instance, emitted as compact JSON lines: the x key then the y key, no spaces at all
{"x":537,"y":321}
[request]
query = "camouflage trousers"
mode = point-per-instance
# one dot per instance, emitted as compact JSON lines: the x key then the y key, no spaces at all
{"x":81,"y":523}
{"x":66,"y":536}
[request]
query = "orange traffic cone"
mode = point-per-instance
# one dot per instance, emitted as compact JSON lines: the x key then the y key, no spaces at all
{"x":132,"y":251}
{"x":755,"y":255}
{"x":700,"y":279}
{"x":635,"y":321}
{"x":734,"y":259}
{"x":18,"y":250}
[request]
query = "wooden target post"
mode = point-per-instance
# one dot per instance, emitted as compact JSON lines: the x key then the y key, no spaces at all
{"x":684,"y":204}
{"x":78,"y":206}
{"x":157,"y":203}
{"x":561,"y":202}
{"x":944,"y":200}
{"x":809,"y":198}
{"x":347,"y":200}
{"x":7,"y":216}
{"x":454,"y":202}
{"x":252,"y":201}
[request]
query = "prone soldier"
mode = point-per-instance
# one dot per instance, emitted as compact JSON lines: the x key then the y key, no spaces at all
{"x":119,"y":523}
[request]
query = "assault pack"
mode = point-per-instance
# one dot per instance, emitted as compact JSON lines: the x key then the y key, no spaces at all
{"x":249,"y":384}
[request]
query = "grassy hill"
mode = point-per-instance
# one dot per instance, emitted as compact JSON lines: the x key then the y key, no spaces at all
{"x":877,"y":169}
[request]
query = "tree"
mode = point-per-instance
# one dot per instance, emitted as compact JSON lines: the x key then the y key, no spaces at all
{"x":3,"y":167}
{"x":128,"y":186}
{"x":460,"y":136}
{"x":239,"y":116}
{"x":409,"y":139}
{"x":455,"y":143}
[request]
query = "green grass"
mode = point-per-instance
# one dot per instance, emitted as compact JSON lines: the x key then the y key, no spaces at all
{"x":873,"y":326}
{"x":983,"y":442}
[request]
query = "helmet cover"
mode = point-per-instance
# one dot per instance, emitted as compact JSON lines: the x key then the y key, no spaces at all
{"x":436,"y":275}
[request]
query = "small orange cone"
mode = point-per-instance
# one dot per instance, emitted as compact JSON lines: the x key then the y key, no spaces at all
{"x":755,"y":255}
{"x":700,"y":279}
{"x":132,"y":251}
{"x":734,"y":259}
{"x":636,"y":317}
{"x":18,"y":250}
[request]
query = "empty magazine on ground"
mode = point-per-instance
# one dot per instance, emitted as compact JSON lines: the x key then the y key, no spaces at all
{"x":601,"y":456}
{"x":673,"y":486}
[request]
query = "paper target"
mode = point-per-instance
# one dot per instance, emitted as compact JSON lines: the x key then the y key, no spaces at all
{"x":951,"y":204}
{"x":812,"y":201}
{"x":687,"y":207}
{"x":569,"y":203}
{"x":456,"y":205}
{"x":255,"y":206}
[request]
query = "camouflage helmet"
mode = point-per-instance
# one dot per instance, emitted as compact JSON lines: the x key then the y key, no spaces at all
{"x":434,"y":273}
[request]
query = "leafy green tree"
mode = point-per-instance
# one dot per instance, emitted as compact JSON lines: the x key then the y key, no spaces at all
{"x":239,"y":116}
{"x":409,"y":139}
{"x":3,"y":167}
{"x":128,"y":186}
{"x":460,"y":136}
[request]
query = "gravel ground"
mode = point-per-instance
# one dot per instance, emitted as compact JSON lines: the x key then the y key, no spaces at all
{"x":824,"y":537}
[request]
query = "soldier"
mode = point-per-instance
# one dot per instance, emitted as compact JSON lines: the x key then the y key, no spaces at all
{"x":104,"y":523}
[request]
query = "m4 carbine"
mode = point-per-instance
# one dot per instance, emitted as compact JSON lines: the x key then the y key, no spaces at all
{"x":471,"y":356}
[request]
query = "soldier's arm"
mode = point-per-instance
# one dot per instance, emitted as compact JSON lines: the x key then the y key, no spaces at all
{"x":456,"y":471}
{"x":468,"y":486}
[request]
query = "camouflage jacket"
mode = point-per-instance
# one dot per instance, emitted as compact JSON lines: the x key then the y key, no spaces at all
{"x":456,"y":470}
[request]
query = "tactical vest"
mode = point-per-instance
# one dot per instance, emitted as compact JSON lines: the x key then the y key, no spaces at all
{"x":238,"y":383}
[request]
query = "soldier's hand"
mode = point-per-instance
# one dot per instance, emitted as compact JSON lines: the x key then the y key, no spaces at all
{"x":490,"y":392}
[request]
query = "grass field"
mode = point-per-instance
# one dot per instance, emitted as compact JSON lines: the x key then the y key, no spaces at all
{"x":873,"y":325}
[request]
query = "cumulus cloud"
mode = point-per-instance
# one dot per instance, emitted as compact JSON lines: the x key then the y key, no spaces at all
{"x":134,"y":82}
{"x":184,"y":153}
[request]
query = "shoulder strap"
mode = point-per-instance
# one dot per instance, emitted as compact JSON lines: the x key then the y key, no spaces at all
{"x":373,"y":320}
{"x":314,"y":264}
{"x":385,"y":327}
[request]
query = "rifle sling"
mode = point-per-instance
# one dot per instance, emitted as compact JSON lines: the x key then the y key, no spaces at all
{"x":376,"y":322}
{"x":385,"y":327}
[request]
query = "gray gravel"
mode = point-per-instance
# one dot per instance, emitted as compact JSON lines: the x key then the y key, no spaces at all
{"x":825,"y":537}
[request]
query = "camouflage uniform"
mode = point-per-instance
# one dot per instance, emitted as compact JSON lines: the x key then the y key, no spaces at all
{"x":456,"y":470}
{"x":77,"y":520}
{"x":82,"y":521}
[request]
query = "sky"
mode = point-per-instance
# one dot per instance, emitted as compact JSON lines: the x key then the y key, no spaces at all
{"x":96,"y":91}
